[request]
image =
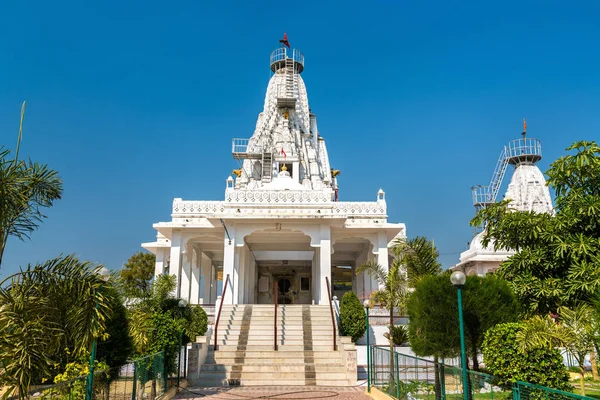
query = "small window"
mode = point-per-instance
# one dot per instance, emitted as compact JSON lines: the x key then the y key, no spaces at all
{"x":305,"y":284}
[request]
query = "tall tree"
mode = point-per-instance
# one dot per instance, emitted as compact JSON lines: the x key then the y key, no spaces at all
{"x":433,"y":314}
{"x":137,"y":274}
{"x":557,"y":260}
{"x":488,"y":301}
{"x":26,"y":188}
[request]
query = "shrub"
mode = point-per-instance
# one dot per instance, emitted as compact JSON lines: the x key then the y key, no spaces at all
{"x":503,"y":358}
{"x":399,"y":335}
{"x":352,"y":317}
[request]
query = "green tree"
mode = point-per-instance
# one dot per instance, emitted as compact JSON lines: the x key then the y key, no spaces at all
{"x":116,"y":347}
{"x":352,"y":317}
{"x":137,"y":274}
{"x":557,"y":260}
{"x":433,"y":314}
{"x":487,"y":301}
{"x":504,"y":357}
{"x":26,"y":188}
{"x":157,"y":321}
{"x":45,"y":320}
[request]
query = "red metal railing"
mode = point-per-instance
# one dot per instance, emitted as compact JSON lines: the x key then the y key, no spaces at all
{"x":275,"y":316}
{"x":220,"y":307}
{"x":332,"y":316}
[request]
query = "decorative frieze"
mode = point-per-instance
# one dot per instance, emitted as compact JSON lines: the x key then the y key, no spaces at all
{"x":292,"y":204}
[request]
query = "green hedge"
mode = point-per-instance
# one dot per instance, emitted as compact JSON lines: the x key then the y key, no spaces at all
{"x":504,"y":359}
{"x":352,"y":317}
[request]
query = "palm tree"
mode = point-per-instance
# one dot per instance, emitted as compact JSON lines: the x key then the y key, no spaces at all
{"x":45,"y":314}
{"x":25,"y":188}
{"x":419,"y":256}
{"x":391,"y":296}
{"x":574,"y":331}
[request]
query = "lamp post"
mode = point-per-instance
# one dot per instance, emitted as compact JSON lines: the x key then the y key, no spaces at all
{"x":367,"y":303}
{"x":182,"y":303}
{"x":104,"y":274}
{"x":458,"y":279}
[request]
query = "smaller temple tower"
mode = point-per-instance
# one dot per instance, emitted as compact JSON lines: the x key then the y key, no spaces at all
{"x":527,"y":191}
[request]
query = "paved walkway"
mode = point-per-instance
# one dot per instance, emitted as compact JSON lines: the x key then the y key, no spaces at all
{"x":274,"y":392}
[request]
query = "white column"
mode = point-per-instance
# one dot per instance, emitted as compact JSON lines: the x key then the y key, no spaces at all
{"x":248,"y":275}
{"x":382,"y":256}
{"x":195,"y":289}
{"x":159,"y":266}
{"x":252,"y":281}
{"x":175,"y":261}
{"x":314,"y":277}
{"x":324,"y":263}
{"x":239,"y":272}
{"x":186,"y":274}
{"x":207,"y":277}
{"x":228,"y":265}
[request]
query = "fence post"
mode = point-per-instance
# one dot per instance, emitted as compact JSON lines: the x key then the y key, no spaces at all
{"x":162,"y":356}
{"x":135,"y":376}
{"x":516,"y":392}
{"x":397,"y":374}
{"x":442,"y":379}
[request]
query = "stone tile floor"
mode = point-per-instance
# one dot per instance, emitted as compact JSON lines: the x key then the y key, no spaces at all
{"x":274,"y":392}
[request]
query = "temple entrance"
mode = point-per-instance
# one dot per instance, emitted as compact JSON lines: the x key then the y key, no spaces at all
{"x":285,"y":295}
{"x":292,"y":278}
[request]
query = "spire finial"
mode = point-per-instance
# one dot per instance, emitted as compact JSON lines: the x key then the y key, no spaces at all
{"x":284,"y":41}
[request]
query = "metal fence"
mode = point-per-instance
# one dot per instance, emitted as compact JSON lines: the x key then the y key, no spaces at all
{"x":149,"y":378}
{"x":143,"y":378}
{"x":407,"y":377}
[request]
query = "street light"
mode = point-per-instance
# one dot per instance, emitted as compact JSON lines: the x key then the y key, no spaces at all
{"x":182,"y":304}
{"x":367,"y":303}
{"x":458,"y":279}
{"x":104,"y":275}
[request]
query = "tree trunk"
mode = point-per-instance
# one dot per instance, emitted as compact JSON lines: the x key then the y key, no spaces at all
{"x":474,"y":350}
{"x":594,"y":364}
{"x":392,"y":371}
{"x":581,"y":379}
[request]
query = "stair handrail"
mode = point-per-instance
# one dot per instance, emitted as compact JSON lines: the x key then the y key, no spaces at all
{"x":216,"y":346}
{"x":331,"y":310}
{"x":275,"y":315}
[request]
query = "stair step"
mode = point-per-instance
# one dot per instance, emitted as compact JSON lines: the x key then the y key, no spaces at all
{"x":280,"y":375}
{"x":276,"y":368}
{"x":285,"y":347}
{"x":216,"y":381}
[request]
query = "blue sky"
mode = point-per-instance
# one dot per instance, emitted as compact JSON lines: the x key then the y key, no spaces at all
{"x":135,"y":103}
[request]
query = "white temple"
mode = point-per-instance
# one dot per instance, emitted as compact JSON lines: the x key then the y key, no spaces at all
{"x":527,"y":191}
{"x":280,"y":221}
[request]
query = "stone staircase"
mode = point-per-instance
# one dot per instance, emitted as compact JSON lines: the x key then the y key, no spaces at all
{"x":305,"y":355}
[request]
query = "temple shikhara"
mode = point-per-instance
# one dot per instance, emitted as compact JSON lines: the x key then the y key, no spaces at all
{"x":280,"y":223}
{"x":527,"y":191}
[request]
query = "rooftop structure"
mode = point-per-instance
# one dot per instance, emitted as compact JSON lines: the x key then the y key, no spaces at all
{"x":280,"y":219}
{"x":527,"y":191}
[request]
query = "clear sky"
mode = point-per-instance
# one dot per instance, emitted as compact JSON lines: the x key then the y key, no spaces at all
{"x":136,"y":102}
